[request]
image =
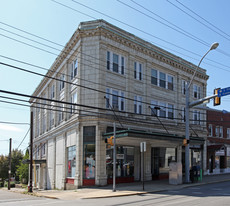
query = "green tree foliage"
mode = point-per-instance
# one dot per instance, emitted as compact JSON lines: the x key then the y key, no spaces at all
{"x":4,"y":167}
{"x":23,"y":169}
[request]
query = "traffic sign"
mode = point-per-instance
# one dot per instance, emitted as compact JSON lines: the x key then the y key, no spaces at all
{"x":224,"y":92}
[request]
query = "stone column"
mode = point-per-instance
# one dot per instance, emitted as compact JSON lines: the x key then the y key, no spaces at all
{"x":100,"y":156}
{"x":137,"y":163}
{"x":63,"y":183}
{"x":53,"y":183}
{"x":147,"y":162}
{"x":78,"y":179}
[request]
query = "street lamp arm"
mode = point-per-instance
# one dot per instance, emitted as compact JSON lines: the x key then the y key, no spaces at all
{"x":197,"y":68}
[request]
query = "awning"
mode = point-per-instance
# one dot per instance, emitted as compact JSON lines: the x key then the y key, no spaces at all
{"x":138,"y":135}
{"x":27,"y":161}
{"x":215,"y":147}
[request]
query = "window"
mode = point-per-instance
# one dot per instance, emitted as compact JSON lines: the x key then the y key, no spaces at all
{"x":71,"y":161}
{"x":52,"y":91}
{"x":137,"y":104}
{"x":228,"y":133}
{"x":74,"y":69}
{"x":162,"y":80}
{"x":51,"y":118}
{"x":108,"y":60}
{"x":182,"y":114}
{"x":115,"y":63}
{"x":137,"y":71}
{"x":196,"y":117}
{"x":44,"y":149}
{"x":221,"y":132}
{"x":62,"y":82}
{"x":183,"y":86}
{"x":115,"y":99}
{"x":196,"y":91}
{"x":38,"y":152}
{"x":210,"y":132}
{"x":217,"y":130}
{"x":122,"y":65}
{"x":162,"y":109}
{"x":61,"y":113}
{"x":115,"y":102}
{"x":73,"y":100}
{"x":154,"y":110}
{"x":154,"y":76}
{"x":170,"y":82}
{"x":170,"y":111}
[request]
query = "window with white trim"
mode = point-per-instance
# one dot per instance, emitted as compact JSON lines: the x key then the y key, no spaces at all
{"x":154,"y":79}
{"x":73,"y":100}
{"x":228,"y":133}
{"x":183,"y":87}
{"x":196,"y":117}
{"x":221,"y":132}
{"x":137,"y":71}
{"x":138,"y":104}
{"x":62,"y":82}
{"x":51,"y":118}
{"x":162,"y":79}
{"x":162,"y":109}
{"x":74,"y":69}
{"x":154,"y":110}
{"x":43,"y":149}
{"x":115,"y":99}
{"x":52,"y":91}
{"x":210,"y":131}
{"x":115,"y":62}
{"x":217,"y":131}
{"x":61,"y":113}
{"x":196,"y":91}
{"x":170,"y":112}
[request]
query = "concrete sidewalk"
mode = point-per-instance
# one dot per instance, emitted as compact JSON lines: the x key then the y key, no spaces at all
{"x":126,"y":189}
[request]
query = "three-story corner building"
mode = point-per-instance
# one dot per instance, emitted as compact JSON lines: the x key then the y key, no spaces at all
{"x":105,"y":75}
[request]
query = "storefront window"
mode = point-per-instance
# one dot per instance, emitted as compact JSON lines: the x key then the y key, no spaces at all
{"x":71,"y":161}
{"x":89,"y":134}
{"x":124,"y":163}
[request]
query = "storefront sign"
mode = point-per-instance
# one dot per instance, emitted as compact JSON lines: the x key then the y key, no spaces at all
{"x":220,"y":152}
{"x":120,"y":156}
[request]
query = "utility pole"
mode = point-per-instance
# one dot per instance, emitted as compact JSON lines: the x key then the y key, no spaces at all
{"x":114,"y":157}
{"x":31,"y":152}
{"x":9,"y":178}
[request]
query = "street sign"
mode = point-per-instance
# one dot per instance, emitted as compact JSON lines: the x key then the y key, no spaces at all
{"x":143,"y":146}
{"x":224,"y":92}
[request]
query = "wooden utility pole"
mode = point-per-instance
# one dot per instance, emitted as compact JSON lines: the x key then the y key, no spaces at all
{"x":9,"y":172}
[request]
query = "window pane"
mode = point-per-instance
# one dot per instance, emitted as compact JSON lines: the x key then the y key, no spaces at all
{"x":135,"y":70}
{"x":170,"y":82}
{"x":154,"y":76}
{"x":115,"y":63}
{"x":122,"y":65}
{"x":108,"y":60}
{"x":162,"y":80}
{"x":115,"y":100}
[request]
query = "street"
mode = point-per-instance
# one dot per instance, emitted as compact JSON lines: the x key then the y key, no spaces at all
{"x":205,"y":195}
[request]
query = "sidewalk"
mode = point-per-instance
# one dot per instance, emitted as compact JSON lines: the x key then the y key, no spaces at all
{"x":122,"y":189}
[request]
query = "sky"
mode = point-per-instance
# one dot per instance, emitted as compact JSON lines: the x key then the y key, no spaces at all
{"x":35,"y":31}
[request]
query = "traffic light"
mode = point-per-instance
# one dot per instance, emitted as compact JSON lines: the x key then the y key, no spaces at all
{"x":109,"y":140}
{"x":216,"y":99}
{"x":185,"y":142}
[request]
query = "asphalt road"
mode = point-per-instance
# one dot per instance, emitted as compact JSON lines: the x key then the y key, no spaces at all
{"x":206,"y":195}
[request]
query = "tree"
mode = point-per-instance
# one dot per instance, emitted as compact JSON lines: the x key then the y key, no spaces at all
{"x":4,"y":167}
{"x":23,"y":169}
{"x":17,"y":157}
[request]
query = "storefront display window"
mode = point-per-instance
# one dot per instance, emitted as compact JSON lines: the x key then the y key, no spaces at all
{"x":71,"y":161}
{"x":124,"y":163}
{"x":89,"y":134}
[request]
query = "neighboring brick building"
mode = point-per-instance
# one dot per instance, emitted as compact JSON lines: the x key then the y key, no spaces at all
{"x":218,"y":141}
{"x":134,"y":76}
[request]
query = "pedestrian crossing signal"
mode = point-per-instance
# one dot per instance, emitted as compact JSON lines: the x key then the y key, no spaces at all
{"x":216,"y":99}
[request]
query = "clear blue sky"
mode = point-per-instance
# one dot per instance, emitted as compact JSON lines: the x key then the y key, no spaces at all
{"x":51,"y":21}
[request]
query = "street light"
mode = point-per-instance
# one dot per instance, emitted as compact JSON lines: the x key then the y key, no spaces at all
{"x":187,"y":160}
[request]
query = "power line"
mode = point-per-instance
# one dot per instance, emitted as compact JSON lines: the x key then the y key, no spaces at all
{"x":2,"y":122}
{"x":23,"y":138}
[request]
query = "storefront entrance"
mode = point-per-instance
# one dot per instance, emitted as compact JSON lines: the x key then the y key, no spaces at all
{"x":161,"y":158}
